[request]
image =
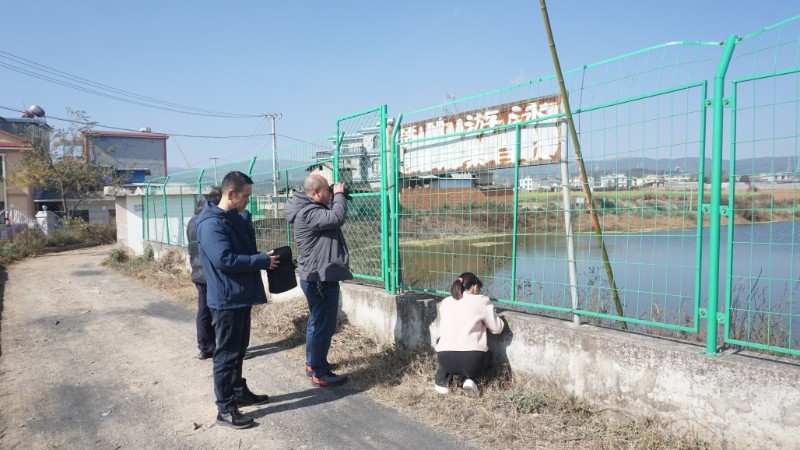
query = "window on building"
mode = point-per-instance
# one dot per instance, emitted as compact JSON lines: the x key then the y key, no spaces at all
{"x":82,"y":214}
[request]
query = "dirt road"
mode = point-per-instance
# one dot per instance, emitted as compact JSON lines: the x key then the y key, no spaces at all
{"x":92,"y":360}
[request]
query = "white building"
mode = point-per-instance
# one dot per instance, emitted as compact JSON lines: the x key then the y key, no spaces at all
{"x":528,"y":184}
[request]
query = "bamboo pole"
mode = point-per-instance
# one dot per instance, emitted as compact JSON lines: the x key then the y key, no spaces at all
{"x":579,"y":156}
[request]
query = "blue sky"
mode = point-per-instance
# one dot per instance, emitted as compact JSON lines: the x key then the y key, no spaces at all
{"x":315,"y":61}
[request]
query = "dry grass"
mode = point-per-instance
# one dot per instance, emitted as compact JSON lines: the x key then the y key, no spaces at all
{"x":511,"y":413}
{"x":168,"y":275}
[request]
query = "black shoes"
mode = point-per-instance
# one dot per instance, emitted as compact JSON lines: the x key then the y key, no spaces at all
{"x":251,"y":399}
{"x":328,"y":380}
{"x":207,"y":355}
{"x":235,"y":420}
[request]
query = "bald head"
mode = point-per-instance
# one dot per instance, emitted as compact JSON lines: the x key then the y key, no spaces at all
{"x":315,"y":183}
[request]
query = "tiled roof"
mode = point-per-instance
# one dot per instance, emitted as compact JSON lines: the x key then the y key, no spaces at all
{"x":7,"y":144}
{"x":9,"y":140}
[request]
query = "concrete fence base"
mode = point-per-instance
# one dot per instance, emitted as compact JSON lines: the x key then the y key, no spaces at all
{"x":731,"y":400}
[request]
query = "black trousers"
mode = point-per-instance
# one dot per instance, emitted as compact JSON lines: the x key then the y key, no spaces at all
{"x":206,"y":338}
{"x":466,"y":364}
{"x":232,"y":327}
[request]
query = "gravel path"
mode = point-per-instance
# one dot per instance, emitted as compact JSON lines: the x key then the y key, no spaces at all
{"x":92,"y":360}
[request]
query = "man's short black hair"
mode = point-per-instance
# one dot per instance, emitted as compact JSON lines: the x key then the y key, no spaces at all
{"x":235,"y":180}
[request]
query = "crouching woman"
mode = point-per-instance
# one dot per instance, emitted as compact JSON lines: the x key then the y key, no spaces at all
{"x":464,"y":318}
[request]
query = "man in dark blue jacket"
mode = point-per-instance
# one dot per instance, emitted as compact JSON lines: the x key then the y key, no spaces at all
{"x":206,"y":339}
{"x":232,"y":265}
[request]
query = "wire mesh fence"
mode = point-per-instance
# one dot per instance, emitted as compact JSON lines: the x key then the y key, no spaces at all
{"x":272,"y":188}
{"x":359,"y":162}
{"x":762,"y":290}
{"x":680,"y":215}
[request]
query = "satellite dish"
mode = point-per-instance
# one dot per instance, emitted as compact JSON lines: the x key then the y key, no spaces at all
{"x":36,"y":110}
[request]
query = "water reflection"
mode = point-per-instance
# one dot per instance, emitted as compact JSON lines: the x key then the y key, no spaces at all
{"x":655,"y":273}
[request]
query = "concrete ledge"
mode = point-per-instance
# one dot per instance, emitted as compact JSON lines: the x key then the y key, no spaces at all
{"x":730,"y":400}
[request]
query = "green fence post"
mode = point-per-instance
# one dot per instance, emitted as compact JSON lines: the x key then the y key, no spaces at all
{"x":200,"y":181}
{"x":335,"y":166}
{"x":286,"y":200}
{"x":182,"y":233}
{"x":250,"y":168}
{"x":146,"y":221}
{"x":166,"y":214}
{"x":701,"y":169}
{"x":250,"y":200}
{"x":395,"y":250}
{"x":515,"y":226}
{"x":387,"y":284}
{"x":717,"y":103}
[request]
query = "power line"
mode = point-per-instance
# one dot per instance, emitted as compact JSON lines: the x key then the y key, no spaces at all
{"x":39,"y":71}
{"x":290,"y":138}
{"x":254,"y":144}
{"x":312,"y":144}
{"x":99,"y":125}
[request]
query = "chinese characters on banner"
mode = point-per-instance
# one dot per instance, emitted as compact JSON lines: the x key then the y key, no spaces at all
{"x":455,"y":142}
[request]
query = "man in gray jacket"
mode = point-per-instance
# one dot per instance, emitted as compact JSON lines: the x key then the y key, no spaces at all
{"x":323,"y":262}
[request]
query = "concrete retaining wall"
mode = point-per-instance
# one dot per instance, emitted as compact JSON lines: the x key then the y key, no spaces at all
{"x":732,"y":400}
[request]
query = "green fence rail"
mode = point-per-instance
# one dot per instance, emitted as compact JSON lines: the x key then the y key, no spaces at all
{"x":691,"y":154}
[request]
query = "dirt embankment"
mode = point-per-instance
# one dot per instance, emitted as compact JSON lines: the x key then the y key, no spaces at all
{"x":430,"y":213}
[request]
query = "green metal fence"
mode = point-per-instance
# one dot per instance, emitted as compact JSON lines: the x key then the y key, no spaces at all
{"x":691,"y":157}
{"x":762,"y":232}
{"x":489,"y":184}
{"x":359,"y":161}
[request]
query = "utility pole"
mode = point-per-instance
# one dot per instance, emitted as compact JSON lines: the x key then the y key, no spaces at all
{"x":275,"y":176}
{"x":215,"y":170}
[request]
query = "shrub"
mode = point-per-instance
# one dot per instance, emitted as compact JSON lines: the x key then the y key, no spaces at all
{"x":60,"y":239}
{"x":74,"y":230}
{"x":117,"y":256}
{"x":31,"y":240}
{"x":10,"y":252}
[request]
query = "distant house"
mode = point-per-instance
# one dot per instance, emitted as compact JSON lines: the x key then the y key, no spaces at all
{"x":615,"y":181}
{"x":528,"y":184}
{"x":576,"y":183}
{"x":137,"y":157}
{"x":17,"y":136}
{"x":649,"y":180}
{"x":778,"y":177}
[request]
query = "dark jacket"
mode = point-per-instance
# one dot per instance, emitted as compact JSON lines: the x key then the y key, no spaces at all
{"x":191,"y":238}
{"x":318,"y":235}
{"x":231,"y":262}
